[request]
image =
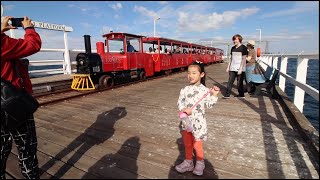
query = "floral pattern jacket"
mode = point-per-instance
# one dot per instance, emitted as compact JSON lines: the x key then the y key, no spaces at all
{"x":189,"y":95}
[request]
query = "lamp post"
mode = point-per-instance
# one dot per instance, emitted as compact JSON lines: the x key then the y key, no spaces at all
{"x":259,"y":36}
{"x":154,"y":26}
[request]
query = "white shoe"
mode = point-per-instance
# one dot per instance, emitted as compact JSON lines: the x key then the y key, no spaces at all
{"x":198,"y":170}
{"x":186,"y":165}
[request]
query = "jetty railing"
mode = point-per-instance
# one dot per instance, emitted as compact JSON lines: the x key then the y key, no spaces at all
{"x":301,"y":87}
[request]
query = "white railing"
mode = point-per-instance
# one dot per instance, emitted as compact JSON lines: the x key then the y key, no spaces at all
{"x":66,"y":69}
{"x":300,"y":82}
{"x":66,"y":63}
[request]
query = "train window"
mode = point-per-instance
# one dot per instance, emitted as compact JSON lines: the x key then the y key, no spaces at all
{"x":115,"y":45}
{"x":134,"y":45}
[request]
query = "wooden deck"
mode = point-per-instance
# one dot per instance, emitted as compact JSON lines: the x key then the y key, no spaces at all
{"x":132,"y":132}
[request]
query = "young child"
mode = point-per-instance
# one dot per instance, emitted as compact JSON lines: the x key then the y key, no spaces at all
{"x":189,"y":95}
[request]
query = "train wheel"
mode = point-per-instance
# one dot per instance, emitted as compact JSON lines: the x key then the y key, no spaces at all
{"x":142,"y":76}
{"x":106,"y":81}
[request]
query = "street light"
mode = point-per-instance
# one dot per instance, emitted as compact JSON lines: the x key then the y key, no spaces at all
{"x":154,"y":26}
{"x":259,"y":36}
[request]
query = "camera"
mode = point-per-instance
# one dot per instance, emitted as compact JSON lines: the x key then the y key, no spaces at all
{"x":16,"y":22}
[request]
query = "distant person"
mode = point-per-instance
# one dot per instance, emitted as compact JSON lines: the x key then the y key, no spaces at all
{"x":189,"y":95}
{"x":150,"y":50}
{"x":251,"y":62}
{"x":130,"y":48}
{"x":161,"y":51}
{"x":23,"y":135}
{"x":178,"y":50}
{"x":237,"y":66}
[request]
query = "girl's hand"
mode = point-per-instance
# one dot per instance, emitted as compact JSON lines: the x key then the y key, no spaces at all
{"x":187,"y":110}
{"x":215,"y":90}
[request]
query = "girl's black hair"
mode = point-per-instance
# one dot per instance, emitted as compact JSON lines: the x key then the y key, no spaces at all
{"x":201,"y":68}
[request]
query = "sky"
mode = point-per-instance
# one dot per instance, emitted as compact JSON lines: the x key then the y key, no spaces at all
{"x":288,"y":26}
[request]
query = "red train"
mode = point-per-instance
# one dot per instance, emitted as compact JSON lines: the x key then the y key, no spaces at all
{"x":124,"y":57}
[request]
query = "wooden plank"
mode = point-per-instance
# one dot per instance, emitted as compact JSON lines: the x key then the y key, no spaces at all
{"x":248,"y":138}
{"x":228,"y":143}
{"x":145,"y":123}
{"x":108,"y":145}
{"x":48,"y":174}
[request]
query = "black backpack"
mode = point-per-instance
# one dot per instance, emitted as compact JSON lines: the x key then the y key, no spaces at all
{"x":16,"y":104}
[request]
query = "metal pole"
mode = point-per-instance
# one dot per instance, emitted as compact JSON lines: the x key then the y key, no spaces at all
{"x":154,"y":27}
{"x":67,"y":63}
{"x":259,"y":36}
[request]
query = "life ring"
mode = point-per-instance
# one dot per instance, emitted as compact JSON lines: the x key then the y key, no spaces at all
{"x":258,"y":52}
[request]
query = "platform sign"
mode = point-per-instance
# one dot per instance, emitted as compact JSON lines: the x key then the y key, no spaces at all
{"x":56,"y":27}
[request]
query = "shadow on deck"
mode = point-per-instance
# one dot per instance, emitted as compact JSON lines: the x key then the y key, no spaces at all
{"x":132,"y":132}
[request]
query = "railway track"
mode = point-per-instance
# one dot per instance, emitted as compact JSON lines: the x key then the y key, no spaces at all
{"x":47,"y":99}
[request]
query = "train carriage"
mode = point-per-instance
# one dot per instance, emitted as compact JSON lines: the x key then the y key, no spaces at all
{"x":219,"y":55}
{"x":167,"y":54}
{"x":125,"y":57}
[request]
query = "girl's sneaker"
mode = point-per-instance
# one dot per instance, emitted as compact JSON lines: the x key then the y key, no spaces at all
{"x":186,"y":165}
{"x":198,"y":170}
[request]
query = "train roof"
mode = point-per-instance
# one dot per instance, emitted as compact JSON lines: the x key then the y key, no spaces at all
{"x":166,"y":41}
{"x":163,"y":41}
{"x":121,"y":34}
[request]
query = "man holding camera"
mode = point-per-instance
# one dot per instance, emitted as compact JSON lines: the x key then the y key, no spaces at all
{"x":24,"y":135}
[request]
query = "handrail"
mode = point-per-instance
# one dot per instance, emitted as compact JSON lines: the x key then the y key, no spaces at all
{"x":301,"y":87}
{"x":47,"y":62}
{"x":301,"y":54}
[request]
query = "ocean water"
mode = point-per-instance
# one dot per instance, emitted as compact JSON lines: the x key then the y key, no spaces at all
{"x":311,"y":106}
{"x":41,"y":68}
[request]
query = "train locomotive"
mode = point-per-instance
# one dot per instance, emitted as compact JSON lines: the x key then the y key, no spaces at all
{"x":122,"y":58}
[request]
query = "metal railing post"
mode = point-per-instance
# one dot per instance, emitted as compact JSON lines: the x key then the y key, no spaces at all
{"x":270,"y":61}
{"x":301,"y":76}
{"x":283,"y":69}
{"x":67,"y":63}
{"x":275,"y":62}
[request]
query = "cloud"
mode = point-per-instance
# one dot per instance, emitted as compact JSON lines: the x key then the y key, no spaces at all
{"x":87,"y":9}
{"x":163,"y":2}
{"x":82,"y":8}
{"x":123,"y":28}
{"x":192,"y":17}
{"x":116,"y":6}
{"x":207,"y":22}
{"x":8,"y":7}
{"x":106,"y":29}
{"x":85,"y":24}
{"x":298,"y":7}
{"x":145,"y":11}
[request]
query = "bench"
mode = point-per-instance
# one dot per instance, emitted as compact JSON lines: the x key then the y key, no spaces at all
{"x":270,"y":75}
